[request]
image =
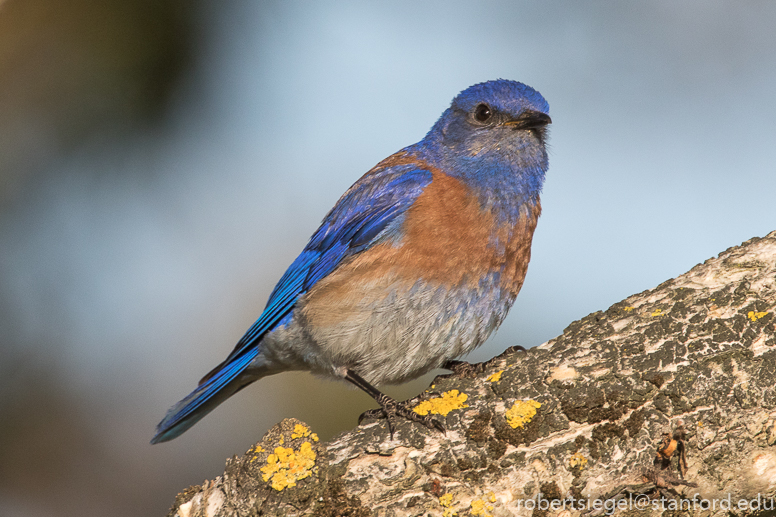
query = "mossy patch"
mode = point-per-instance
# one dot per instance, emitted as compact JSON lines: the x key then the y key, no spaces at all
{"x":479,"y":429}
{"x":335,"y":502}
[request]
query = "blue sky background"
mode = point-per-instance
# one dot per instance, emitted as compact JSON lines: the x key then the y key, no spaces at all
{"x":128,"y":286}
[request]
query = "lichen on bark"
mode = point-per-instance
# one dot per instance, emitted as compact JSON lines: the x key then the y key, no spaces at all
{"x":594,"y":405}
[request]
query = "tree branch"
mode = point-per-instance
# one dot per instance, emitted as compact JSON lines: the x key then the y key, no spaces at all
{"x":608,"y":410}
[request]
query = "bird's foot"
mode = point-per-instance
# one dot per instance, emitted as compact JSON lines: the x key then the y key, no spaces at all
{"x":390,"y":408}
{"x":463,"y":369}
{"x":468,"y":370}
{"x":509,"y":350}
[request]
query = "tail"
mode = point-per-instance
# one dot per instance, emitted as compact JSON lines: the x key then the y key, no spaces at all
{"x":215,"y":387}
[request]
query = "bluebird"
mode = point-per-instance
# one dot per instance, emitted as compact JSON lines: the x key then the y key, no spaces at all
{"x":416,"y":265}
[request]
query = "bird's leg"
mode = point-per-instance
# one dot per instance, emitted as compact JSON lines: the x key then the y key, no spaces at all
{"x":389,"y":407}
{"x":468,"y":370}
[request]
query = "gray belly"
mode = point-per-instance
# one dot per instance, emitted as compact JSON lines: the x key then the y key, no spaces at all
{"x":389,"y":335}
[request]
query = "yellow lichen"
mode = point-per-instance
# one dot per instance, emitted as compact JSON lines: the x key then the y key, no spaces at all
{"x":577,"y":460}
{"x":300,"y":431}
{"x":495,"y":377}
{"x":628,"y":309}
{"x":446,"y":501}
{"x":314,"y":436}
{"x":449,"y":401}
{"x":522,"y":412}
{"x":491,"y":497}
{"x":481,"y":508}
{"x":656,"y":312}
{"x":285,"y":466}
{"x":256,"y":449}
{"x":754,"y":316}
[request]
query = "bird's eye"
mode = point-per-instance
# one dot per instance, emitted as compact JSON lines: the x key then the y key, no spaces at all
{"x":482,"y":113}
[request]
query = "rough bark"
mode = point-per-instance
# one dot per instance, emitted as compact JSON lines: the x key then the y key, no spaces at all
{"x":688,"y":365}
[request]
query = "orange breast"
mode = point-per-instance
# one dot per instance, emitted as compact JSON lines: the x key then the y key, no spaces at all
{"x":448,"y":241}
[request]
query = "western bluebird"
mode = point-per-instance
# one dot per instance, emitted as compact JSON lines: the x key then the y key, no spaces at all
{"x":417,"y":263}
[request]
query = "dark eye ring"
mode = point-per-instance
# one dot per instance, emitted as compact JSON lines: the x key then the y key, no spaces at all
{"x":482,"y":113}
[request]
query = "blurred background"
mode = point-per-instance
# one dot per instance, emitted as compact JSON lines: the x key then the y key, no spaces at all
{"x":162,"y":162}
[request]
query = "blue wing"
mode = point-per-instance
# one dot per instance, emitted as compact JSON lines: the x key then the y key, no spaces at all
{"x":369,"y":212}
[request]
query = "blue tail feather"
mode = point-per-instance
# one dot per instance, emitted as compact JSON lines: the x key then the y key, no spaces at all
{"x":204,"y":399}
{"x":353,"y":225}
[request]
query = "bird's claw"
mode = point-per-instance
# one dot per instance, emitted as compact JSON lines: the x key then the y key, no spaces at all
{"x":509,"y":350}
{"x":465,"y":370}
{"x":391,"y":408}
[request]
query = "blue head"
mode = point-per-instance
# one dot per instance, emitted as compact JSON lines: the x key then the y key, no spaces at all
{"x":493,"y":137}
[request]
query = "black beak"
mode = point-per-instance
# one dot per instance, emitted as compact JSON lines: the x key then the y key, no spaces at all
{"x":531,"y":120}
